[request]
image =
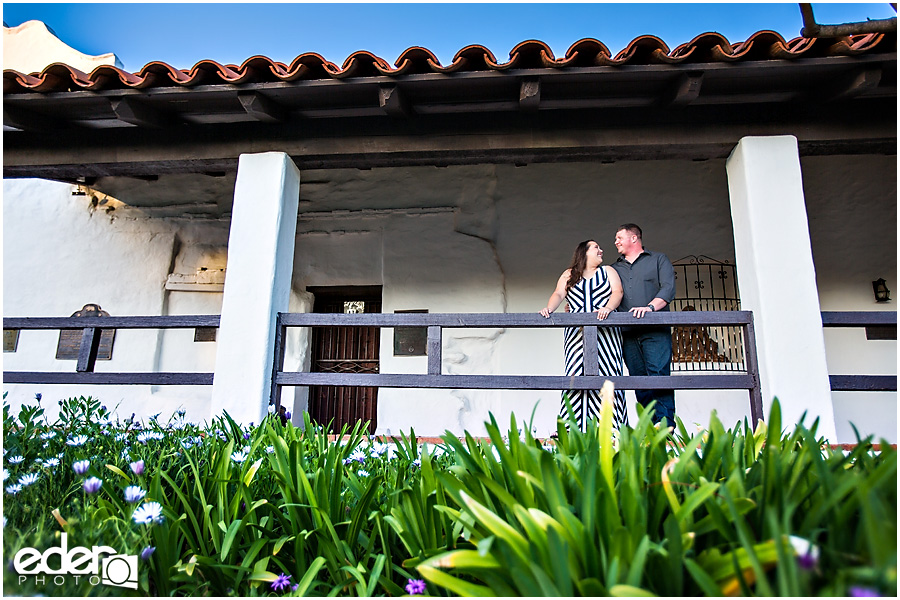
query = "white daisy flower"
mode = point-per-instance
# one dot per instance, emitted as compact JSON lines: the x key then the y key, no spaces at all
{"x":362,"y":473}
{"x":378,"y":449}
{"x":14,"y":460}
{"x":240,"y":457}
{"x":147,"y":513}
{"x":13,"y":489}
{"x":357,"y":455}
{"x":48,"y":436}
{"x":78,"y":440}
{"x":134,"y":493}
{"x":28,"y":479}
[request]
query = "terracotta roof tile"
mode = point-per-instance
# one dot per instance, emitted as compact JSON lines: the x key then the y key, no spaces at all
{"x":530,"y":54}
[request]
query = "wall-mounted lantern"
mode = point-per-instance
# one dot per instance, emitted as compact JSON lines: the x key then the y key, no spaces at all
{"x":882,"y":293}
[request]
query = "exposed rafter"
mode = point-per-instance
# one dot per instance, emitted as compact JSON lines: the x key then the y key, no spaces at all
{"x":136,"y":112}
{"x":262,"y":108}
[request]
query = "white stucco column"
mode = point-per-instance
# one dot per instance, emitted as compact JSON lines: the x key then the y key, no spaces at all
{"x":257,"y":283}
{"x":777,"y":278}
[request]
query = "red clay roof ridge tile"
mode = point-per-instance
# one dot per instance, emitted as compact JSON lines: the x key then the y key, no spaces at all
{"x":529,"y":54}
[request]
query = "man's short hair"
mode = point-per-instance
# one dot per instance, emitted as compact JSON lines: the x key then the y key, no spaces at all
{"x":632,"y":229}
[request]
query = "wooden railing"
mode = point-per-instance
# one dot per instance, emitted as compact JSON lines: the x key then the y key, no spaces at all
{"x":862,"y":383}
{"x":90,"y":343}
{"x":435,"y":378}
{"x":91,"y":329}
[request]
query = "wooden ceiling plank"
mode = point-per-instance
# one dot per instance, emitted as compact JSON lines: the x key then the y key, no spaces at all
{"x":28,"y":120}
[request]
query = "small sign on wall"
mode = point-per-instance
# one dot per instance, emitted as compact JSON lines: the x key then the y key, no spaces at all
{"x":410,"y":341}
{"x":205,"y":334}
{"x":10,"y":340}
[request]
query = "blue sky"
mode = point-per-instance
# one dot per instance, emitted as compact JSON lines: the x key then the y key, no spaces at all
{"x":183,"y":34}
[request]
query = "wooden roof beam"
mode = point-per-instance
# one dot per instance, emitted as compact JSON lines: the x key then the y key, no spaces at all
{"x":262,"y":108}
{"x":530,"y":94}
{"x":393,"y":101}
{"x":685,"y":90}
{"x":135,"y":112}
{"x":853,"y":84}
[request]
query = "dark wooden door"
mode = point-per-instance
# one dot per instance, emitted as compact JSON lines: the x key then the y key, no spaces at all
{"x":345,"y":350}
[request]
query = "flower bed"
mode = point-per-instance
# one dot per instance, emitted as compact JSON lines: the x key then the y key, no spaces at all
{"x":274,"y":509}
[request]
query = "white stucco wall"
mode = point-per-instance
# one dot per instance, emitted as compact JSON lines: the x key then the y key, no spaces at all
{"x":31,"y":46}
{"x":852,"y":206}
{"x":60,"y":252}
{"x":489,"y":238}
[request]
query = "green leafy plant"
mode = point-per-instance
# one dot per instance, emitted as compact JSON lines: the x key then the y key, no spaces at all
{"x":222,"y":509}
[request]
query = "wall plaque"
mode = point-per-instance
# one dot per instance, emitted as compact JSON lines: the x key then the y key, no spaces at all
{"x":881,"y":332}
{"x":10,"y":340}
{"x":70,"y":339}
{"x":205,"y":334}
{"x":410,"y":341}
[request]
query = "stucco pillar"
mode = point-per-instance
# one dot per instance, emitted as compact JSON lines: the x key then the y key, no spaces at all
{"x":257,"y":283}
{"x":777,"y":278}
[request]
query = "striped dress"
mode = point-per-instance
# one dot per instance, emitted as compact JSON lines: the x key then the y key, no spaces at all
{"x":588,"y":295}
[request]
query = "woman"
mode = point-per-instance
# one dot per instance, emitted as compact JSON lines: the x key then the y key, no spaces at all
{"x":588,"y":287}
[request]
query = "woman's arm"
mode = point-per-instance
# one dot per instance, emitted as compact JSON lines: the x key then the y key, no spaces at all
{"x":615,"y":298}
{"x":558,"y":295}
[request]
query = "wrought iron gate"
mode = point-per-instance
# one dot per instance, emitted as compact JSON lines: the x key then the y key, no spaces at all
{"x":705,"y":284}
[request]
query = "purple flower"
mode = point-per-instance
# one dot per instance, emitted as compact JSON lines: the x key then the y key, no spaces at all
{"x":807,"y":562}
{"x":415,"y":587}
{"x":38,"y":396}
{"x":137,"y":467}
{"x":807,"y":552}
{"x":92,"y":484}
{"x":146,"y":552}
{"x":859,"y":591}
{"x":281,"y":583}
{"x":246,"y":436}
{"x":81,"y":467}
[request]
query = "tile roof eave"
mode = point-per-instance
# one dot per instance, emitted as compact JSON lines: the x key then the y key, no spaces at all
{"x":529,"y":54}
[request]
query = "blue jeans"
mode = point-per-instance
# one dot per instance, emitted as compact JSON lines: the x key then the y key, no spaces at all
{"x":649,"y":352}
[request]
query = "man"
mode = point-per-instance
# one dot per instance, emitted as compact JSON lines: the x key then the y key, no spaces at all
{"x":648,"y":280}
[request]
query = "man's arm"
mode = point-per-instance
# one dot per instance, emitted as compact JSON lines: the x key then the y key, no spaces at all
{"x":666,"y":292}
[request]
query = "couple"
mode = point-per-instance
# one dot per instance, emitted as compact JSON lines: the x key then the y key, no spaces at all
{"x":640,"y":281}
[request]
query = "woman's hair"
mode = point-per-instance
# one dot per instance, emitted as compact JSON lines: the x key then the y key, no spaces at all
{"x":579,"y":264}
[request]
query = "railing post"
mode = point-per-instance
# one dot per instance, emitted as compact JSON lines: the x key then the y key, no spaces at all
{"x":756,"y":406}
{"x":434,"y":349}
{"x":277,"y":362}
{"x":591,"y":353}
{"x":87,"y":353}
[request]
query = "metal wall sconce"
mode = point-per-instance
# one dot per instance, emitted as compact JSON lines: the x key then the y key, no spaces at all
{"x":882,"y":293}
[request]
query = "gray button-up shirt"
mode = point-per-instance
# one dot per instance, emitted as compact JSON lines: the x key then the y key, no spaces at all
{"x":650,"y":276}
